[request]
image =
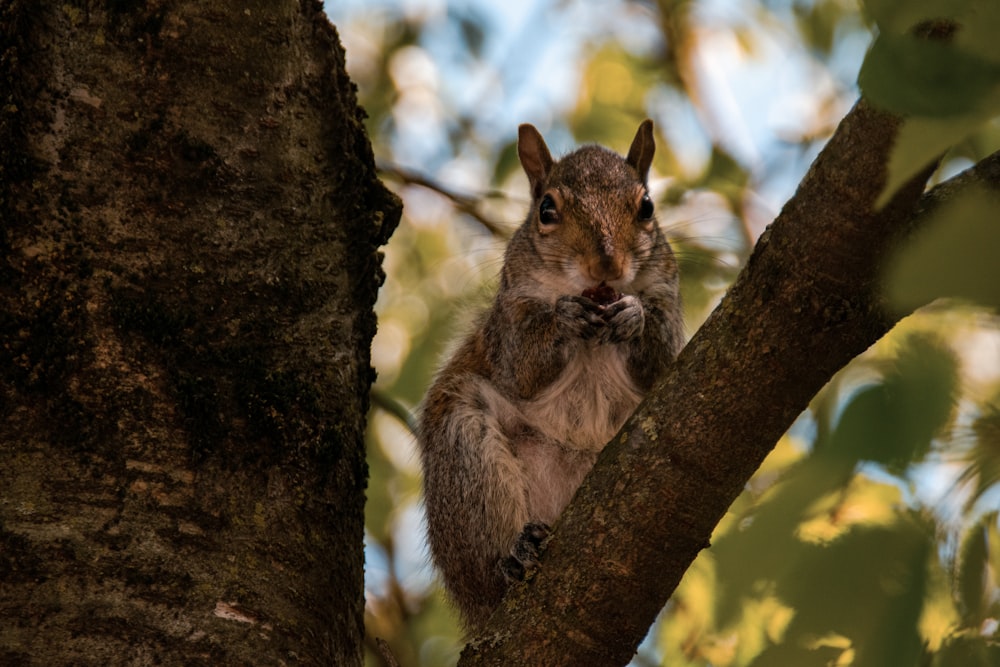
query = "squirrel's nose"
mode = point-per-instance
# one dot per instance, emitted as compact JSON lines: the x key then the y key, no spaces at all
{"x":605,"y":267}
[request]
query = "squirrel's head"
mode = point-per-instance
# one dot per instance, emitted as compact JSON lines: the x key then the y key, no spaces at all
{"x":592,"y":219}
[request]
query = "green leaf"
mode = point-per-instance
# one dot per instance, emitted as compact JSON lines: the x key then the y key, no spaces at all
{"x":901,"y":17}
{"x":980,"y":22}
{"x":746,"y":556}
{"x":945,"y":88}
{"x":968,"y":651}
{"x":818,"y":22}
{"x":973,"y":572}
{"x":909,"y":75}
{"x":983,"y":459}
{"x":789,"y":655}
{"x":703,"y":274}
{"x":894,"y":422}
{"x":723,"y":174}
{"x":867,"y":586}
{"x":891,"y":423}
{"x":954,"y":255}
{"x":920,"y":141}
{"x":506,"y":164}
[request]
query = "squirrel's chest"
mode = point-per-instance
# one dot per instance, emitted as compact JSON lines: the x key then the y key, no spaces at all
{"x":589,"y":401}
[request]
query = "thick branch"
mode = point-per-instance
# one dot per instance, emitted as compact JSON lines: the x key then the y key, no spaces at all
{"x":806,"y":304}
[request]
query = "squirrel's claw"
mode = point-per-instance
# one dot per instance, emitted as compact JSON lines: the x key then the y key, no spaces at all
{"x":580,"y":314}
{"x":625,"y":319}
{"x":524,"y":554}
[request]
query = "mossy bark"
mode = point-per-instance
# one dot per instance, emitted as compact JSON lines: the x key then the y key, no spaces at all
{"x":190,"y":223}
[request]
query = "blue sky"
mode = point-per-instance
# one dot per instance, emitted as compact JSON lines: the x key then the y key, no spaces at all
{"x":530,"y":72}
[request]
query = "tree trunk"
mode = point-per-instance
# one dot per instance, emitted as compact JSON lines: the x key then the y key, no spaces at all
{"x":190,"y":219}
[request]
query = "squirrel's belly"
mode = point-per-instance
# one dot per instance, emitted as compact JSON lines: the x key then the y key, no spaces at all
{"x":587,"y":404}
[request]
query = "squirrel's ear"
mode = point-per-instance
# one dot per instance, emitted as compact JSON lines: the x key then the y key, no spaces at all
{"x":534,"y":156}
{"x":640,"y":155}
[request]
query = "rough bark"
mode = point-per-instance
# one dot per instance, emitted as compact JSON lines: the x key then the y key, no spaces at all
{"x":807,"y":302}
{"x":190,"y":217}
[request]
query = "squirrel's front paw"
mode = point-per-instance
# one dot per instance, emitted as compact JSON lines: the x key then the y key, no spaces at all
{"x":625,"y":319}
{"x":524,"y":554}
{"x":580,"y":315}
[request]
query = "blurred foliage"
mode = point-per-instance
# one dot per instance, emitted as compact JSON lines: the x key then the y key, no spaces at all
{"x":870,"y":535}
{"x":938,"y":63}
{"x":953,"y":255}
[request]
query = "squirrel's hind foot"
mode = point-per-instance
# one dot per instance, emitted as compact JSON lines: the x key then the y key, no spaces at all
{"x":524,"y":554}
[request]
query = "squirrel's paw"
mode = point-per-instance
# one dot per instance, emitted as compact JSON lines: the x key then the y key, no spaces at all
{"x":524,"y":554}
{"x":580,"y":315}
{"x":625,"y":319}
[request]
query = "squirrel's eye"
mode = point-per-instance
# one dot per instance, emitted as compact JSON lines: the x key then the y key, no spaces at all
{"x":547,"y":212}
{"x":645,"y":208}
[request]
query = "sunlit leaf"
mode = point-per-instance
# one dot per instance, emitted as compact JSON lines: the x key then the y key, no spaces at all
{"x":974,"y":572}
{"x":690,"y":615}
{"x":940,"y":616}
{"x":726,"y":176}
{"x":867,"y":586}
{"x":818,"y":22}
{"x":901,"y":17}
{"x":968,"y":651}
{"x":978,"y":33}
{"x":786,"y":452}
{"x":792,"y":655}
{"x":506,"y":162}
{"x":954,"y":255}
{"x":746,"y":556}
{"x":611,"y":97}
{"x":946,"y":88}
{"x":920,"y":141}
{"x":983,"y":459}
{"x":893,"y":422}
{"x":762,"y":624}
{"x":703,"y":274}
{"x":862,"y":501}
{"x":909,"y":75}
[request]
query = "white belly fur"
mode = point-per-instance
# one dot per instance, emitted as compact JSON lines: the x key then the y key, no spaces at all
{"x":575,"y":416}
{"x":588,"y":403}
{"x":555,"y":437}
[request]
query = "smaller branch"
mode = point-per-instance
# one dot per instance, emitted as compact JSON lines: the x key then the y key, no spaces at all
{"x":387,"y":657}
{"x":749,"y":238}
{"x":394,"y":407}
{"x":464,"y":203}
{"x":984,"y":173}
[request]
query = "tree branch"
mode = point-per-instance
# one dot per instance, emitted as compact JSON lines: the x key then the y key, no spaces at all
{"x":807,"y":303}
{"x":465,"y":203}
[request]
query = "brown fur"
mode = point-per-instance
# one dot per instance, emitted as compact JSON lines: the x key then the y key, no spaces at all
{"x":516,"y":417}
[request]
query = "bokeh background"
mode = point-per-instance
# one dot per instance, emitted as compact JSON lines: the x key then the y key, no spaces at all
{"x":870,"y":535}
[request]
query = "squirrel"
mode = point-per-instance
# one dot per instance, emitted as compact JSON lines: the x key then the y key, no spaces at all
{"x":586,"y":317}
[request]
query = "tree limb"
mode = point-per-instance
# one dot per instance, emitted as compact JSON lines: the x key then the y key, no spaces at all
{"x":807,"y":302}
{"x":468,"y":204}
